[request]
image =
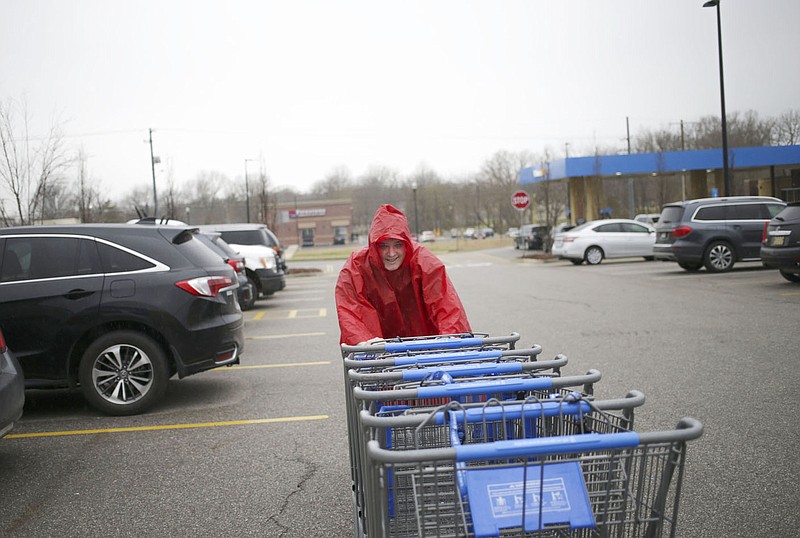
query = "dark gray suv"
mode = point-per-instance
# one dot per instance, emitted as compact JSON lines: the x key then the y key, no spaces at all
{"x":116,"y":309}
{"x":714,"y":232}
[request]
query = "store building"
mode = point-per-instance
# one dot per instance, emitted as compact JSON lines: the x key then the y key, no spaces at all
{"x":314,"y":223}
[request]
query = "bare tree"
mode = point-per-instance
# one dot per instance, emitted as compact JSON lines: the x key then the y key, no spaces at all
{"x":337,"y":184}
{"x":267,"y":201}
{"x":787,"y":128}
{"x":500,"y":174}
{"x":28,"y":165}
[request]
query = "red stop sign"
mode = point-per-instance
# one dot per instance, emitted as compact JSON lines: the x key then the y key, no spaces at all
{"x":520,"y":200}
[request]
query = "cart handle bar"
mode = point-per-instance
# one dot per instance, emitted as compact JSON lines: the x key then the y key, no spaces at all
{"x":503,"y":410}
{"x":453,"y":356}
{"x":474,"y":388}
{"x":687,"y":429}
{"x":457,"y":370}
{"x":431,"y":342}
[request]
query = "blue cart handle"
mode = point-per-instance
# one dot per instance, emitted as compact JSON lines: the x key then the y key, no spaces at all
{"x":474,"y":388}
{"x":430,"y":342}
{"x":542,"y":446}
{"x":688,"y":429}
{"x":442,"y":358}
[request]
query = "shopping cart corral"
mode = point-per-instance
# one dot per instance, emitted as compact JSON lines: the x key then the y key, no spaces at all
{"x":467,"y":435}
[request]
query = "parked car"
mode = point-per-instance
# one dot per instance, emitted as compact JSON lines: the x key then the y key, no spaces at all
{"x":12,"y":388}
{"x":594,"y":241}
{"x":249,"y":234}
{"x":263,"y":254}
{"x":531,"y":237}
{"x":470,"y":233}
{"x":781,"y":245}
{"x":487,"y":232}
{"x":714,"y":232}
{"x":427,"y":236}
{"x":647,"y":218}
{"x":116,"y":310}
{"x":246,"y":293}
{"x":512,"y":232}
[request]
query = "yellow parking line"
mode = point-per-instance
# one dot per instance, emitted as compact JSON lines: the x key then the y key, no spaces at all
{"x":286,"y":365}
{"x":289,"y":314}
{"x":168,"y":427}
{"x":271,"y":337}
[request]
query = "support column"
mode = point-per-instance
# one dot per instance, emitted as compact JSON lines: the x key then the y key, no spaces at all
{"x":593,"y":197}
{"x":697,"y":187}
{"x":577,"y":199}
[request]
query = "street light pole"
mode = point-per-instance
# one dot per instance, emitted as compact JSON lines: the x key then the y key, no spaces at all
{"x":247,"y":189}
{"x":725,"y":171}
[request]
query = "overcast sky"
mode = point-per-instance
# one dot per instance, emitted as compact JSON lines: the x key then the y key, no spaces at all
{"x":309,"y":86}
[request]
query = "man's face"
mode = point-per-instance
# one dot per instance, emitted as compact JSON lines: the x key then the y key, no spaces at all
{"x":393,"y":252}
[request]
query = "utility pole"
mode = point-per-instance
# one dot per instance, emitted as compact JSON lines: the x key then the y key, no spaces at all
{"x":153,"y":168}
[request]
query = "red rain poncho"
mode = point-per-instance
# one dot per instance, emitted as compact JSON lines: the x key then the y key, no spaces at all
{"x":417,"y":299}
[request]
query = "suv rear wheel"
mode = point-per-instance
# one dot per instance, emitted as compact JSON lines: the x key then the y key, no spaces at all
{"x":123,"y":373}
{"x":719,"y":257}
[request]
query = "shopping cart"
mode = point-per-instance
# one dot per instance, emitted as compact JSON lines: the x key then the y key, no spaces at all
{"x":613,"y":483}
{"x":429,"y":360}
{"x":456,"y":424}
{"x":418,"y":396}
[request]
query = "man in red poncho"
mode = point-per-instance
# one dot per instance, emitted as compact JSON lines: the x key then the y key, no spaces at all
{"x":395,"y":287}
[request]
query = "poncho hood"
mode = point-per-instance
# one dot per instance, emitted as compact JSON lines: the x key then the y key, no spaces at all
{"x":389,"y":223}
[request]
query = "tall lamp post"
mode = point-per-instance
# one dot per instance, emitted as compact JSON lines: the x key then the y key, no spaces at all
{"x":247,"y":189}
{"x":725,"y":171}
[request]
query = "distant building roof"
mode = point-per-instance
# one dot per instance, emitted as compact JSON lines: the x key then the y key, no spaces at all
{"x":664,"y":162}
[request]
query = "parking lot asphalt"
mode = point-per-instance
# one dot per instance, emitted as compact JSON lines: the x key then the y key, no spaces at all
{"x":261,"y":449}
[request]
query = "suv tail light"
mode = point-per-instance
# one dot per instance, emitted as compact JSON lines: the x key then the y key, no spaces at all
{"x":764,"y":233}
{"x":568,"y":239}
{"x":237,"y":265}
{"x":681,"y":231}
{"x":2,"y":342}
{"x":205,"y":286}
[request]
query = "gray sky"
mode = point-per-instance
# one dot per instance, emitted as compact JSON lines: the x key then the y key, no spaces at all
{"x":309,"y":86}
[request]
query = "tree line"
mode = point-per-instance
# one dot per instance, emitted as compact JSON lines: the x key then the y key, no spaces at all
{"x":42,"y":179}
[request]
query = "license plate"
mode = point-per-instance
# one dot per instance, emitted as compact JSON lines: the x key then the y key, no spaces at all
{"x":777,"y":241}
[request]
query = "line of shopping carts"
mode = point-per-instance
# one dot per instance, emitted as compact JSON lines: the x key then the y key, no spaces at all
{"x":469,"y":435}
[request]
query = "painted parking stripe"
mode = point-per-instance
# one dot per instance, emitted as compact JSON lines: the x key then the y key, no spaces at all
{"x":284,"y":365}
{"x":169,"y":427}
{"x":289,"y":314}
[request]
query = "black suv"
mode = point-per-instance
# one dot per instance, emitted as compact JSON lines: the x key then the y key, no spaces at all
{"x":714,"y":232}
{"x":116,"y":309}
{"x":781,"y":248}
{"x":531,"y":237}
